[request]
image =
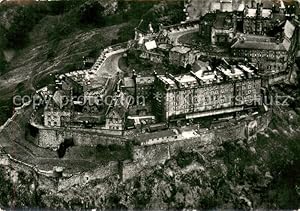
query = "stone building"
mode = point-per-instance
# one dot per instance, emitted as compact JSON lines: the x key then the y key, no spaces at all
{"x":218,"y":28}
{"x":272,"y":55}
{"x":223,"y":29}
{"x":56,"y":118}
{"x":257,"y":20}
{"x":57,"y":111}
{"x":261,"y":20}
{"x":138,"y":86}
{"x":153,"y":52}
{"x":205,"y":92}
{"x":181,"y":56}
{"x":205,"y":25}
{"x":115,"y":118}
{"x":221,"y":5}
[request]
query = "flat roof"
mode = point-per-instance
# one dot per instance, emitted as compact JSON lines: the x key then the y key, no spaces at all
{"x":261,"y":45}
{"x":166,"y":80}
{"x":181,"y":49}
{"x":234,"y":72}
{"x":221,"y":21}
{"x":155,"y":135}
{"x":265,"y":13}
{"x":207,"y":76}
{"x":185,"y":79}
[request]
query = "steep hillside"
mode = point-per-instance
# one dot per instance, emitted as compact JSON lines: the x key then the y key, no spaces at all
{"x":39,"y":40}
{"x":236,"y":174}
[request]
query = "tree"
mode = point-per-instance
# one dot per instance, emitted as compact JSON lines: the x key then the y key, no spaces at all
{"x":92,"y":13}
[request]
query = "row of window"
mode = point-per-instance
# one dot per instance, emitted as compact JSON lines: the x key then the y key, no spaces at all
{"x":270,"y":54}
{"x":115,"y":128}
{"x":50,"y":123}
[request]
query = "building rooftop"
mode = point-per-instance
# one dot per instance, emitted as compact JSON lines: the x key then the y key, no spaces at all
{"x":146,"y":80}
{"x":181,"y":49}
{"x":289,"y":29}
{"x":165,"y":46}
{"x":257,"y":38}
{"x":234,"y":72}
{"x":150,"y":45}
{"x":140,"y":80}
{"x":252,"y":12}
{"x":128,"y":82}
{"x":261,"y":43}
{"x":156,"y":135}
{"x":58,"y":97}
{"x":203,"y":74}
{"x":186,"y":80}
{"x":223,"y":21}
{"x":166,"y":80}
{"x":215,"y":6}
{"x":208,"y":18}
{"x":88,"y":78}
{"x":266,"y":13}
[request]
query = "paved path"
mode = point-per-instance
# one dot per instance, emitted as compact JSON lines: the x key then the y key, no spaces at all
{"x":110,"y":66}
{"x":174,"y":36}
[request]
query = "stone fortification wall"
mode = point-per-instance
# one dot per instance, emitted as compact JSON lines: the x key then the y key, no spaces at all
{"x":14,"y":128}
{"x":143,"y":156}
{"x":51,"y":138}
{"x":151,"y":155}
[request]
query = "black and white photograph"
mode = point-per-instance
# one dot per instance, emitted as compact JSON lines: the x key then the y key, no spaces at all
{"x":149,"y":105}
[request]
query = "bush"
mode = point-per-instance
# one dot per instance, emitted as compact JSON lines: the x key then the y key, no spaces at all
{"x":91,"y":13}
{"x":3,"y":65}
{"x":23,"y":22}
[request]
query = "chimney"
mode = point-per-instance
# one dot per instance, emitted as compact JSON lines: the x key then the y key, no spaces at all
{"x":252,"y":3}
{"x":173,"y":78}
{"x":197,"y":78}
{"x":232,"y":70}
{"x":134,"y":76}
{"x":122,"y":87}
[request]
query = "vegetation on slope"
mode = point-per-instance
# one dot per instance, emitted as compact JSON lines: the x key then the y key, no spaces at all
{"x":53,"y":37}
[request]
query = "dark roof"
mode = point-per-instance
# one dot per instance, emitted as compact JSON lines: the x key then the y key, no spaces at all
{"x":119,"y":110}
{"x":58,"y":97}
{"x":208,"y":19}
{"x":223,"y":21}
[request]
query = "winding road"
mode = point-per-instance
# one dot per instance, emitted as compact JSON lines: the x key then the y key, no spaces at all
{"x":174,"y":36}
{"x":110,"y":65}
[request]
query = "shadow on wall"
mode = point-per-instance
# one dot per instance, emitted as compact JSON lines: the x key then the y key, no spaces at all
{"x":64,"y":146}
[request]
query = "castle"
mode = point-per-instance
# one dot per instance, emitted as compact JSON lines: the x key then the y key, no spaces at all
{"x":223,"y":84}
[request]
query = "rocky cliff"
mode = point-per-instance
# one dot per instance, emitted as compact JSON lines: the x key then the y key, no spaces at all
{"x":237,"y":174}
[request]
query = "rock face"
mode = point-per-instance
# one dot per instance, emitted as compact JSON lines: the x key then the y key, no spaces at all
{"x":237,"y":174}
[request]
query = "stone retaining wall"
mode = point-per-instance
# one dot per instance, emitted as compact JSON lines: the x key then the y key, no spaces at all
{"x":51,"y":137}
{"x":145,"y":156}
